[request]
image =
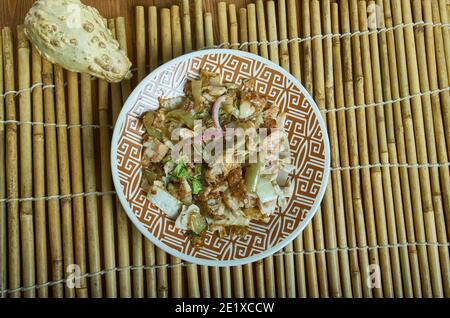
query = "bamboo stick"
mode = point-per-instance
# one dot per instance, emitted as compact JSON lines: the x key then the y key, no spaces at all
{"x":400,"y":141}
{"x":345,"y":221}
{"x":234,"y":33}
{"x":272,"y":32}
{"x":199,"y":28}
{"x":3,"y":216}
{"x":306,"y":47}
{"x":64,"y":175}
{"x":209,"y":32}
{"x":12,"y":191}
{"x":259,"y":276}
{"x":296,"y":71}
{"x":122,"y":39}
{"x":51,"y":156}
{"x":140,"y":43}
{"x":109,"y":255}
{"x":243,"y":28}
{"x":149,"y":249}
{"x":177,"y":43}
{"x":204,"y":279}
{"x":294,"y":55}
{"x":358,"y":211}
{"x":136,"y":237}
{"x":319,"y":94}
{"x":224,"y":41}
{"x":249,"y":284}
{"x":411,"y":148}
{"x":137,"y":261}
{"x":166,"y":34}
{"x":262,"y":35}
{"x":282,"y":22}
{"x":443,"y":53}
{"x":252,"y":28}
{"x":153,"y":36}
{"x":76,"y":166}
{"x":447,"y":113}
{"x":434,"y":43}
{"x":226,"y":282}
{"x":124,"y":253}
{"x":333,"y":228}
{"x":90,"y":185}
{"x":122,"y":219}
{"x":308,"y":233}
{"x":187,"y":32}
{"x":376,"y":221}
{"x":447,"y":5}
{"x":192,"y":281}
{"x":39,"y":176}
{"x":443,"y":13}
{"x":216,"y":284}
{"x":238,"y":282}
{"x":280,"y":278}
{"x":448,"y":9}
{"x":26,"y":175}
{"x":432,"y":143}
{"x":398,"y":261}
{"x":440,"y":15}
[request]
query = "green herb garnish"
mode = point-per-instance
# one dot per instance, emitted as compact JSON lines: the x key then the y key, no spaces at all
{"x":194,"y":181}
{"x":180,"y":171}
{"x":196,"y":186}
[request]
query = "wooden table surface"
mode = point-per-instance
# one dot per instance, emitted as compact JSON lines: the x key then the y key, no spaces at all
{"x":12,"y":12}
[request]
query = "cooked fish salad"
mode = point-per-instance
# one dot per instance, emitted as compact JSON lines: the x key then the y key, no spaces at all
{"x":220,"y":191}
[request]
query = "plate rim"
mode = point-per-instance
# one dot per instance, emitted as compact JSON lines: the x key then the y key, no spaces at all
{"x":124,"y":202}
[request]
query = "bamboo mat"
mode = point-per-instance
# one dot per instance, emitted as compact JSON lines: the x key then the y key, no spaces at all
{"x":379,"y":72}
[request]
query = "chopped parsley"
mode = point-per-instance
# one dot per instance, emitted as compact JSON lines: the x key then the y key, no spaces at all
{"x":180,"y":171}
{"x":195,"y":181}
{"x":196,"y":186}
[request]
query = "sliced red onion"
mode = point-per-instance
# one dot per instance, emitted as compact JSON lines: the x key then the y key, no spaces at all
{"x":209,"y":135}
{"x":218,"y":132}
{"x":216,"y":109}
{"x":213,"y":134}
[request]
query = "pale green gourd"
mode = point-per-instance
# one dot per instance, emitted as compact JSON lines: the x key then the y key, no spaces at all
{"x":73,"y":35}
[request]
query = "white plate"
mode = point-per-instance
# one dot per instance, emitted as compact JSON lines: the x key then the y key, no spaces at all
{"x":308,"y":141}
